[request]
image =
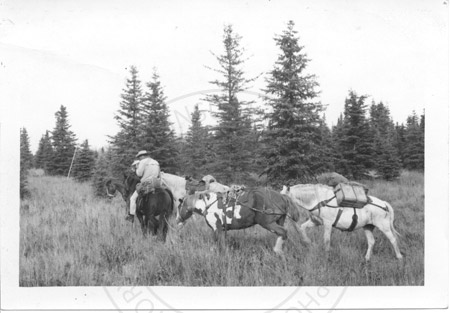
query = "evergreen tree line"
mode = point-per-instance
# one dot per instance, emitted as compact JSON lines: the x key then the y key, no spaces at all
{"x":284,"y":141}
{"x":58,"y":153}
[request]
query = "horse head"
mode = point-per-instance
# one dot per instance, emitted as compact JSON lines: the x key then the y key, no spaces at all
{"x":185,"y":209}
{"x":130,"y":180}
{"x":110,"y":188}
{"x":197,"y":202}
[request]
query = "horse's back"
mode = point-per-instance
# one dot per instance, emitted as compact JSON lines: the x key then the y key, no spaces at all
{"x":160,"y":200}
{"x":377,"y":201}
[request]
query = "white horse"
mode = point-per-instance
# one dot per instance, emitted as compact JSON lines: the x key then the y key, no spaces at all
{"x":176,"y":184}
{"x":319,"y":200}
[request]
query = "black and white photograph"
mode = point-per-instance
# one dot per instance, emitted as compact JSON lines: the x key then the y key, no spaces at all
{"x":224,"y":155}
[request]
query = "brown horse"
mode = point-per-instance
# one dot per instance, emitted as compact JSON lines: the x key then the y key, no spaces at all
{"x":261,"y":206}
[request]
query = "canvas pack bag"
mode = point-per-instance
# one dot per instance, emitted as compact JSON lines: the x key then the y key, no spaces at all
{"x":351,"y":195}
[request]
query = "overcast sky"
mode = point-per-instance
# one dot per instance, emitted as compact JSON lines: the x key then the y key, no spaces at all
{"x":77,"y":54}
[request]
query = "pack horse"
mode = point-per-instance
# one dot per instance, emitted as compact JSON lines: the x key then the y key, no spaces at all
{"x":322,"y":204}
{"x":261,"y":206}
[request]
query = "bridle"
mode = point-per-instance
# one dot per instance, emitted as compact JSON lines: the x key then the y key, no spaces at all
{"x":107,"y":190}
{"x":110,"y":195}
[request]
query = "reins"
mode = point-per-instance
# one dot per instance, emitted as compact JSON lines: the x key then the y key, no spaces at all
{"x":208,"y":206}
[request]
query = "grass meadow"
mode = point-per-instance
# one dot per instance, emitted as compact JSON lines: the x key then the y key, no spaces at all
{"x":70,"y":238}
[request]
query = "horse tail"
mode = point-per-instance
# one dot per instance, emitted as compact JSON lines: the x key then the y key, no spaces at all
{"x":391,"y":220}
{"x":292,"y":208}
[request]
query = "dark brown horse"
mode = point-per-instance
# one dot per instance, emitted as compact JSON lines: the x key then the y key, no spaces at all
{"x":152,"y":210}
{"x":261,"y":206}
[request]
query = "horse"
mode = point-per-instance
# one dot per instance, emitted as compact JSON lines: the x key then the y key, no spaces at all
{"x":176,"y":184}
{"x":261,"y":206}
{"x":158,"y":203}
{"x":207,"y":183}
{"x":320,"y":201}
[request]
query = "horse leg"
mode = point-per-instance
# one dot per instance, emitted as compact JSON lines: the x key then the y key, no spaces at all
{"x":163,"y":227}
{"x":385,"y":227}
{"x":144,"y":222}
{"x":368,"y":230}
{"x":219,"y":238}
{"x":153,"y":225}
{"x":309,"y":223}
{"x":327,"y":236}
{"x":282,"y":236}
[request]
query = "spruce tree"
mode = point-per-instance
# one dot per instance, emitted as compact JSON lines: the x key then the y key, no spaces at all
{"x":400,"y":142}
{"x":337,"y":134}
{"x":293,"y":139}
{"x":231,"y":141}
{"x":63,"y":143}
{"x":44,"y":153}
{"x":125,"y":143}
{"x":25,"y":152}
{"x":414,"y":143}
{"x":156,"y":134}
{"x":102,"y":172}
{"x":195,"y":149}
{"x":84,"y":163}
{"x":25,"y":162}
{"x":356,"y":142}
{"x":422,"y":141}
{"x":385,"y":153}
{"x":327,"y":146}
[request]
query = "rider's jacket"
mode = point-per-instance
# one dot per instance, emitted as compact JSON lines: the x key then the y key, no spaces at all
{"x":147,"y":169}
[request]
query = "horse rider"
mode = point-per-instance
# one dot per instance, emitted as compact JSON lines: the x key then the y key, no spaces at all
{"x":147,"y":169}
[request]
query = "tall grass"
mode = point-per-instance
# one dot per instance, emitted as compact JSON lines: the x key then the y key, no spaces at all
{"x":70,"y":238}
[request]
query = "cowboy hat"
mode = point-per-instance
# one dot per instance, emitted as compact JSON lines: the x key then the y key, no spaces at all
{"x":141,"y":153}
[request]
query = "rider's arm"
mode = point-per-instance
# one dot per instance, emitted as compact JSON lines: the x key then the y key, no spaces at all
{"x":140,"y":169}
{"x":134,"y":165}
